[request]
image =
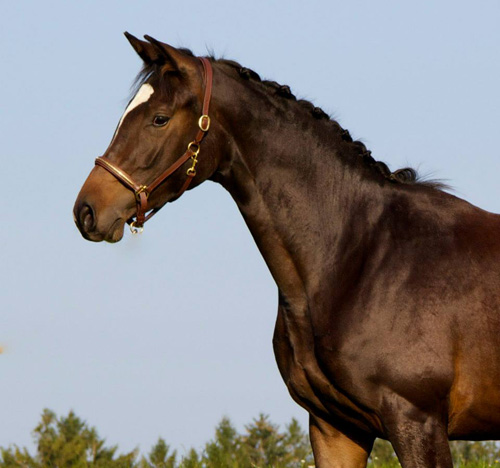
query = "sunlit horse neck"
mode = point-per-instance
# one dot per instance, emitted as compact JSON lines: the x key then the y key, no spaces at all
{"x":389,"y":288}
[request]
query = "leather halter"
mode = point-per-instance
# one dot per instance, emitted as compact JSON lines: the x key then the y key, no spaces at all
{"x":142,"y":192}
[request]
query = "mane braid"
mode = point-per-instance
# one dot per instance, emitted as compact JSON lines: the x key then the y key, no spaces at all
{"x":406,"y":175}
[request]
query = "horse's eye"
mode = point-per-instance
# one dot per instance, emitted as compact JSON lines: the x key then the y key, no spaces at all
{"x":160,"y":120}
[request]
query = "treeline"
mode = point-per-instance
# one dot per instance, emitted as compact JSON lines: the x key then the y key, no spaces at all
{"x":64,"y":442}
{"x":68,"y":442}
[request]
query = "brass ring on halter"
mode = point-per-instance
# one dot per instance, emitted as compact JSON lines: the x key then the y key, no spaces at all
{"x":136,"y":229}
{"x":190,"y":148}
{"x":204,"y":123}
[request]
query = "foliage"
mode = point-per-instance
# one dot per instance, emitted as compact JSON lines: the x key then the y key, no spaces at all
{"x":475,"y":453}
{"x":262,"y":445}
{"x":383,"y":455}
{"x":465,"y":454}
{"x":68,"y":442}
{"x":160,"y":457}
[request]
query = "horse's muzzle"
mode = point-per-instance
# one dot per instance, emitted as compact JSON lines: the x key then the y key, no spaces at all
{"x":86,"y":221}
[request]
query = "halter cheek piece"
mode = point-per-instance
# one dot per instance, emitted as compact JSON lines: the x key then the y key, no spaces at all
{"x":142,"y":192}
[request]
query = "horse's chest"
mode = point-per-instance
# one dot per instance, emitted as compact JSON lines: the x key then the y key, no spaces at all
{"x":307,"y":383}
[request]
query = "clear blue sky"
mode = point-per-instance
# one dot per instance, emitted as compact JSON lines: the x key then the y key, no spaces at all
{"x":417,"y":81}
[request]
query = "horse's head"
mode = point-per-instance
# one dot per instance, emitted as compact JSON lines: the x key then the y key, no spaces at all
{"x":153,"y":155}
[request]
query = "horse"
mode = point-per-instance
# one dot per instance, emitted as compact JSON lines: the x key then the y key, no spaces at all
{"x":388,"y":322}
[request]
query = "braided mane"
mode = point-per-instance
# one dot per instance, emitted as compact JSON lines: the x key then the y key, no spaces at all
{"x":406,"y":175}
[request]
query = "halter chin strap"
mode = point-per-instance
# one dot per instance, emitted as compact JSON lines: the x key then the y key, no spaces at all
{"x":142,"y":192}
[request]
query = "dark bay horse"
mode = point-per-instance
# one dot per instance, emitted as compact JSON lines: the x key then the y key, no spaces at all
{"x":389,"y":288}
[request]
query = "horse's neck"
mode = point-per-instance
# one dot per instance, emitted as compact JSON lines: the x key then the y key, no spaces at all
{"x":306,"y":209}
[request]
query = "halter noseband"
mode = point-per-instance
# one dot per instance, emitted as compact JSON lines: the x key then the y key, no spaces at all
{"x":142,"y":192}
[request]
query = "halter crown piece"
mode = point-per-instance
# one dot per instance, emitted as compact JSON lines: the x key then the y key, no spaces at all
{"x":142,"y":192}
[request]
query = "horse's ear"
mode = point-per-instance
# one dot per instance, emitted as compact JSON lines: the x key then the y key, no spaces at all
{"x":148,"y":52}
{"x":174,"y":60}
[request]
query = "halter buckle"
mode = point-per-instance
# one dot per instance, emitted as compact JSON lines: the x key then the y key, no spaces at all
{"x":204,"y":123}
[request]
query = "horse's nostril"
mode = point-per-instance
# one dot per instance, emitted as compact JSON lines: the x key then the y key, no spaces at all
{"x":87,"y":218}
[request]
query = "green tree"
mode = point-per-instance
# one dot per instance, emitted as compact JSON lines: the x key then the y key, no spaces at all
{"x":66,"y":442}
{"x":191,"y":460}
{"x":297,"y":446}
{"x":14,"y":457}
{"x":224,"y":451}
{"x":160,"y":456}
{"x":263,"y":443}
{"x":266,"y":446}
